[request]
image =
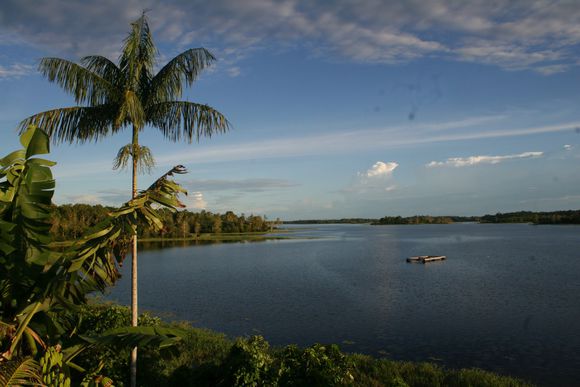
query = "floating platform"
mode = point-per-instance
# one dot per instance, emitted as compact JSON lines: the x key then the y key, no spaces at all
{"x":426,"y":258}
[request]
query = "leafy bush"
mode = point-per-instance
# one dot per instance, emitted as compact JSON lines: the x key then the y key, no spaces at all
{"x":249,"y":363}
{"x":94,"y":319}
{"x":318,"y":365}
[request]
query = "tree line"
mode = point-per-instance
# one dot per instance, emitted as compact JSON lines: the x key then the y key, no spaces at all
{"x":418,"y":219}
{"x":70,"y":221}
{"x":552,"y":217}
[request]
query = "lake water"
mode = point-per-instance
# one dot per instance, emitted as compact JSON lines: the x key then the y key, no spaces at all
{"x":507,"y":298}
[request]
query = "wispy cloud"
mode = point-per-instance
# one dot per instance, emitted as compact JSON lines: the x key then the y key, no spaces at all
{"x":242,"y":185}
{"x":515,"y":35}
{"x":334,"y":143}
{"x":348,"y":142}
{"x":234,"y":71}
{"x":475,"y":160}
{"x":16,"y":70}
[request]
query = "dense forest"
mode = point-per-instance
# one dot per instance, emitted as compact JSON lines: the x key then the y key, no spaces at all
{"x":419,"y":219}
{"x":70,"y":220}
{"x":554,"y":217}
{"x":425,"y":219}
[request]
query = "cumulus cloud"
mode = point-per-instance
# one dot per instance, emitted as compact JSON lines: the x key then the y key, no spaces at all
{"x":475,"y":160}
{"x":196,"y":201}
{"x":513,"y":34}
{"x":380,"y":169}
{"x":377,"y":180}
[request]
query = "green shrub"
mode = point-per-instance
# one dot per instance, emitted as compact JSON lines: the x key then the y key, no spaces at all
{"x":318,"y":365}
{"x":249,"y":363}
{"x":96,"y":318}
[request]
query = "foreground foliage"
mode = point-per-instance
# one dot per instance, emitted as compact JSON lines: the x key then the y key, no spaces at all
{"x":42,"y":287}
{"x":206,"y":358}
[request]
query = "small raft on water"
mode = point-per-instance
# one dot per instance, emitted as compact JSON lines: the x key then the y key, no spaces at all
{"x":426,"y":258}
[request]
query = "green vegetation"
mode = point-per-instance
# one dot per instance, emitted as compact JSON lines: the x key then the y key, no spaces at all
{"x":554,"y":217}
{"x":206,"y":358}
{"x":419,"y":219}
{"x":69,"y":221}
{"x":41,"y":288}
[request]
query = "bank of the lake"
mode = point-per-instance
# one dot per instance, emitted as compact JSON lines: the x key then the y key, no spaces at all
{"x":505,"y":300}
{"x":206,"y":358}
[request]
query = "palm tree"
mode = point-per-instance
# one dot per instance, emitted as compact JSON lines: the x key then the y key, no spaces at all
{"x":112,"y":97}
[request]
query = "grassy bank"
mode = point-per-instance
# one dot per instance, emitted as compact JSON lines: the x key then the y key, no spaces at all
{"x":207,"y":358}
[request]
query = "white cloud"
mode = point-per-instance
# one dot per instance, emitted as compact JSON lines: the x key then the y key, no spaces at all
{"x":377,"y":180}
{"x":234,"y":71}
{"x":475,"y":160}
{"x":568,"y":147}
{"x":380,"y":169}
{"x":195,"y":200}
{"x":16,"y":70}
{"x":84,"y":199}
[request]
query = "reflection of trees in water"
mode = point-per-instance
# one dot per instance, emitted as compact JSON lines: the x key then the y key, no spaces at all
{"x":157,"y":245}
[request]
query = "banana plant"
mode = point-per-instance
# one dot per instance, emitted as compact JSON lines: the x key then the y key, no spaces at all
{"x":42,"y":283}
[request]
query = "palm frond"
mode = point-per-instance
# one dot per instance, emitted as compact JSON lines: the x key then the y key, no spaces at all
{"x":138,"y":55}
{"x":91,"y":263}
{"x":20,"y":372}
{"x":123,"y":157}
{"x":105,"y":68}
{"x":138,"y":336}
{"x":75,"y":124}
{"x":186,"y":120}
{"x":184,"y":68}
{"x":85,"y":85}
{"x":145,"y":159}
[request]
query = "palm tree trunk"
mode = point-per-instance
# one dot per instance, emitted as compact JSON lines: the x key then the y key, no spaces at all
{"x":134,"y":309}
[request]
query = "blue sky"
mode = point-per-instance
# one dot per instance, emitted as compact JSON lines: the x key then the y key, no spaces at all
{"x":339,"y":109}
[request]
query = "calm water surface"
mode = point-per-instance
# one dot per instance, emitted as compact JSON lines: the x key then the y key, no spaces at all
{"x":507,"y":299}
